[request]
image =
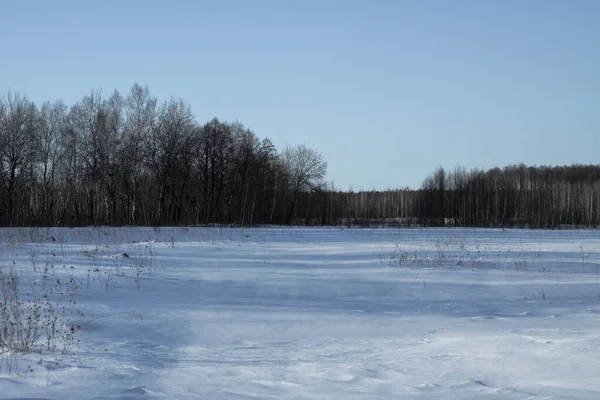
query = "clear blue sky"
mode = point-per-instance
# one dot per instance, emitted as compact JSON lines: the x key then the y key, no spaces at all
{"x":385,"y":90}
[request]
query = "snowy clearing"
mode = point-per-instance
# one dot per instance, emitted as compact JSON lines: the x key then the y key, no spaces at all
{"x":292,"y":313}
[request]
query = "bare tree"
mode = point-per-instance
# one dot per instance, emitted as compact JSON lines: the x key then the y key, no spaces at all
{"x":17,"y":147}
{"x":112,"y":155}
{"x":305,"y":167}
{"x":51,"y":124}
{"x":88,"y":120}
{"x":245,"y":171}
{"x":168,"y":155}
{"x":215,"y":155}
{"x":140,"y":118}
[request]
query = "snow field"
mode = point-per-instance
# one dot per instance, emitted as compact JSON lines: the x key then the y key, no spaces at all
{"x":298,"y":313}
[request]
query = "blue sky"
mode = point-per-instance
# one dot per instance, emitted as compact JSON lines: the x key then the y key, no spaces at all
{"x":385,"y":90}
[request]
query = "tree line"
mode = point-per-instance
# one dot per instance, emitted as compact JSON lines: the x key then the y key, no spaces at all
{"x":515,"y":196}
{"x":132,"y":160}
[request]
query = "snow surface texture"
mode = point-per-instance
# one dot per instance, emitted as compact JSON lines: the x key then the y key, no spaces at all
{"x":285,"y":313}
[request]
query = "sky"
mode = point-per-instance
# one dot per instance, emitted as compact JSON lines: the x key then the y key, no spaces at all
{"x":385,"y":90}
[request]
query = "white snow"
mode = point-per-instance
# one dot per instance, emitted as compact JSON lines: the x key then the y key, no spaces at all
{"x":292,"y":313}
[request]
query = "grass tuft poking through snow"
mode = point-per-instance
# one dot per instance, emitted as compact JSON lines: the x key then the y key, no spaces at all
{"x":40,"y":318}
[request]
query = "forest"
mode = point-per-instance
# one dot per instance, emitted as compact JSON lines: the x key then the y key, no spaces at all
{"x":132,"y":160}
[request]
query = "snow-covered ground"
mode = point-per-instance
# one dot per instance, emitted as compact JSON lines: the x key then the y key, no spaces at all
{"x":286,"y":313}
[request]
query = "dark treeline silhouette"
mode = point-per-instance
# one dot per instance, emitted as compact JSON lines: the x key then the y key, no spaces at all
{"x":134,"y":161}
{"x":515,"y":196}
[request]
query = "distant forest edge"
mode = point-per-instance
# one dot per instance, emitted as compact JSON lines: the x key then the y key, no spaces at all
{"x":134,"y":161}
